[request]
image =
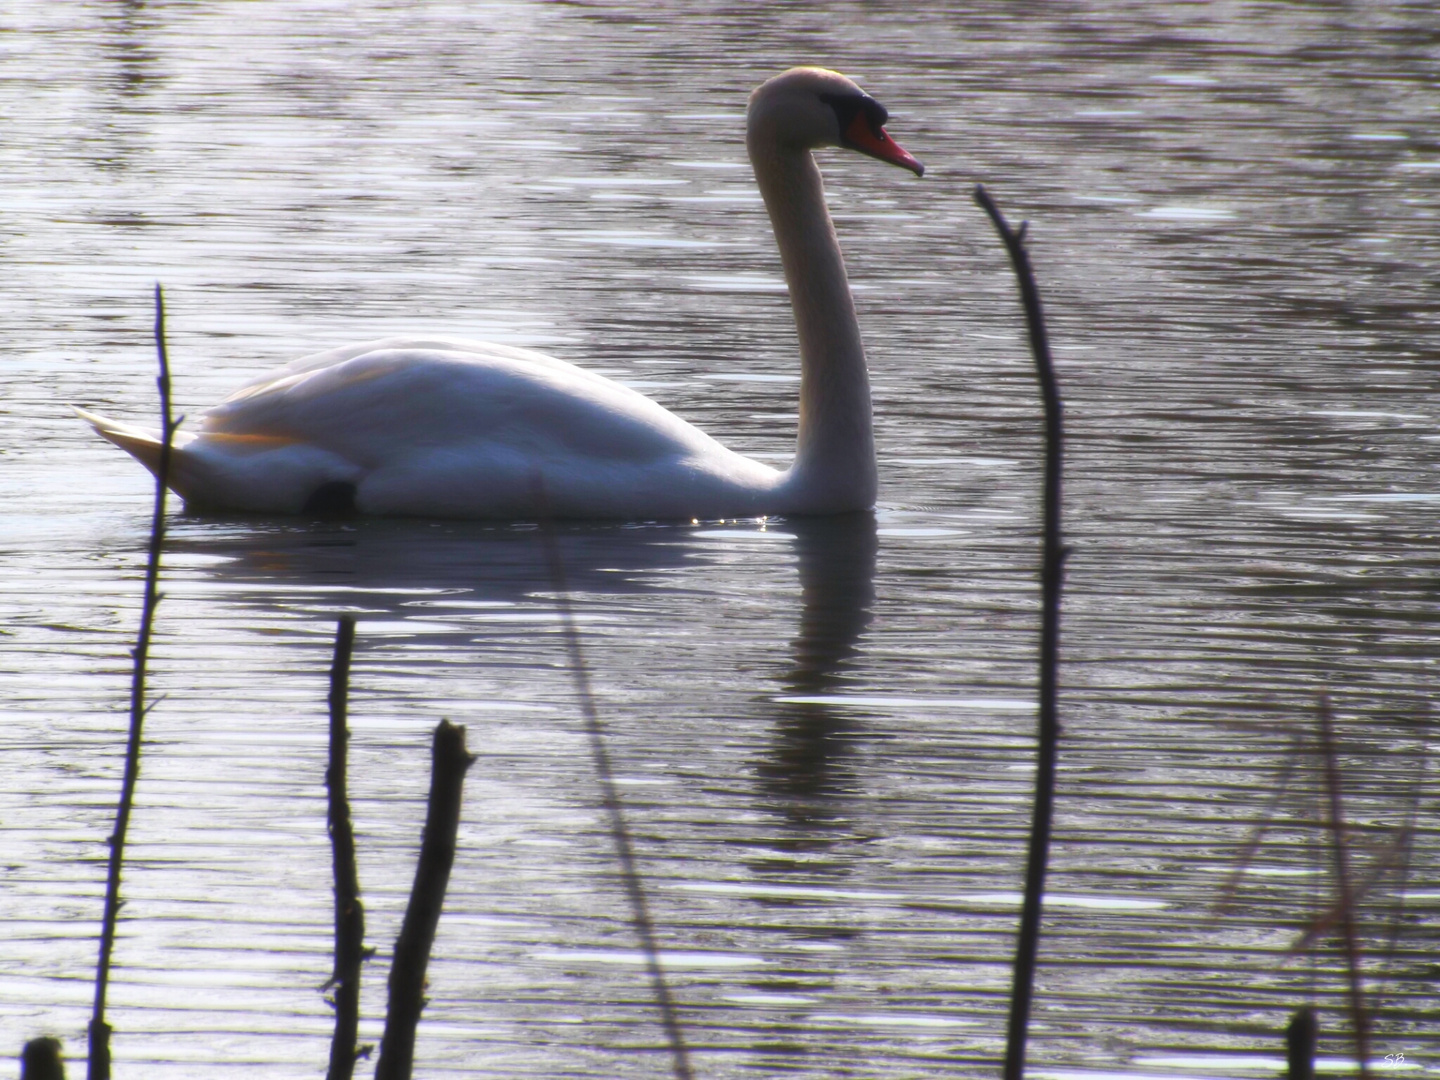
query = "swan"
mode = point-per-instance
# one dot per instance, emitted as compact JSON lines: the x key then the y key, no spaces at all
{"x":442,"y":427}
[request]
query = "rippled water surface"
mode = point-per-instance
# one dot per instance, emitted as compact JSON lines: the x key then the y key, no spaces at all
{"x":823,"y":729}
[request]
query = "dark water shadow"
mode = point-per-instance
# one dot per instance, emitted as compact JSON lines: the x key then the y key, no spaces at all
{"x":379,"y":564}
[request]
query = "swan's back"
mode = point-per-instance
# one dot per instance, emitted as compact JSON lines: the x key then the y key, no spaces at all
{"x":378,"y":402}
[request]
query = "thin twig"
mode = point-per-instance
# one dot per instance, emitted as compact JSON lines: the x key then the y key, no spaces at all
{"x":349,"y":912}
{"x":1392,"y":856}
{"x":610,"y":794}
{"x":1051,"y":578}
{"x":450,"y":760}
{"x":1340,"y":853}
{"x":1257,"y":835}
{"x":1404,"y":845}
{"x":99,"y":1033}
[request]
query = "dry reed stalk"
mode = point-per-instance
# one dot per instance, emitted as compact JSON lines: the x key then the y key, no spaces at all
{"x":610,"y":794}
{"x":1052,"y":572}
{"x":449,"y":762}
{"x":1345,"y":899}
{"x":99,"y":1030}
{"x":1338,"y":914}
{"x":350,"y":952}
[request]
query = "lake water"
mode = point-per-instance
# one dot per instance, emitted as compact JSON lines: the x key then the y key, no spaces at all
{"x":823,"y":730}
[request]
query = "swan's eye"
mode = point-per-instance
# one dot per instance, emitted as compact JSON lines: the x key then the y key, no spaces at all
{"x":850,"y":107}
{"x":876,"y":114}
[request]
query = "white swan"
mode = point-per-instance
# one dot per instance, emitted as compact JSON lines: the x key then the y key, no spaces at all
{"x":448,"y":428}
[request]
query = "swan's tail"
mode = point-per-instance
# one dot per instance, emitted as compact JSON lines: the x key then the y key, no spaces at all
{"x":143,"y":446}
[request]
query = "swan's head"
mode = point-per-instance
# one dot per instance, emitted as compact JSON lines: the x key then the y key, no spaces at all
{"x":808,"y":107}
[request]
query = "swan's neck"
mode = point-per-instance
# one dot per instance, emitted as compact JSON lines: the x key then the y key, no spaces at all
{"x":835,"y":454}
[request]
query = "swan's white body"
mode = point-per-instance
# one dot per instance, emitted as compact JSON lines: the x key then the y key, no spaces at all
{"x":451,"y":428}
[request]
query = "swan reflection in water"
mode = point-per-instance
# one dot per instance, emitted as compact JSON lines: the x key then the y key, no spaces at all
{"x":805,"y":769}
{"x":430,"y":573}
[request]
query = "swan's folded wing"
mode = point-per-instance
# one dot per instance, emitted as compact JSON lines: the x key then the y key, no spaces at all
{"x":387,"y":405}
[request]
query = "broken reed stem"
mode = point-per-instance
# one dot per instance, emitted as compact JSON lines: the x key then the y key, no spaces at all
{"x":349,"y":912}
{"x":610,"y":794}
{"x":1340,"y":853}
{"x":99,"y":1032}
{"x":41,"y":1060}
{"x":1300,"y":1039}
{"x":449,"y":762}
{"x":1051,"y":578}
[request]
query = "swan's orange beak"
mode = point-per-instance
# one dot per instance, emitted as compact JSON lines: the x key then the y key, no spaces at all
{"x":860,"y":135}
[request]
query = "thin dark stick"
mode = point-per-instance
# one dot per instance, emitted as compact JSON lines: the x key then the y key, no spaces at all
{"x":349,"y":912}
{"x":99,"y":1064}
{"x":449,"y":760}
{"x":610,"y":794}
{"x":1340,"y":853}
{"x":1051,"y":578}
